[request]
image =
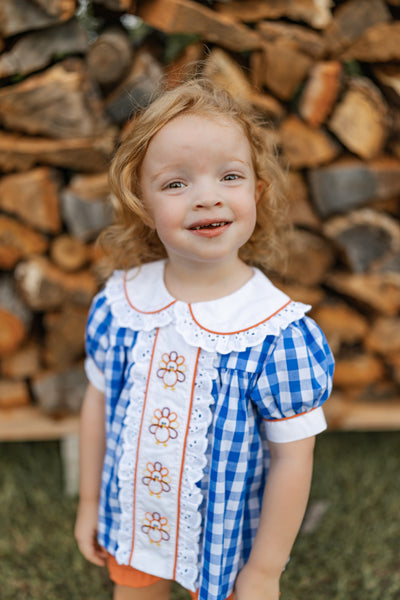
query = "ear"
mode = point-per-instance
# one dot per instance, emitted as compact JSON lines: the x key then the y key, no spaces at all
{"x":260,"y":187}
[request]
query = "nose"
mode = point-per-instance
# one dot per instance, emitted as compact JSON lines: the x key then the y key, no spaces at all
{"x":207,"y":195}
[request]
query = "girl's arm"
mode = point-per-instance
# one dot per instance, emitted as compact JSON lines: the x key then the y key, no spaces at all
{"x":92,"y":449}
{"x":285,"y":500}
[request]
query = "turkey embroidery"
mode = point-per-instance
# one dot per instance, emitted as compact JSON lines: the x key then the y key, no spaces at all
{"x":172,"y":369}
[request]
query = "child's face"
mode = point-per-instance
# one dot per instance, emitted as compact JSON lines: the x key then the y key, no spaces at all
{"x":199,"y":185}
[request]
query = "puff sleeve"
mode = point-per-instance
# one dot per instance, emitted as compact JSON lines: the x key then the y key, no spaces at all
{"x":97,"y":341}
{"x":295,"y":382}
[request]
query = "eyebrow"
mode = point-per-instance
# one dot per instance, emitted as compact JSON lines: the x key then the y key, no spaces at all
{"x":164,"y":170}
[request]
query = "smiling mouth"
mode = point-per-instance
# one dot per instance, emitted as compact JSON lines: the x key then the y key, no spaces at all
{"x":209,"y":225}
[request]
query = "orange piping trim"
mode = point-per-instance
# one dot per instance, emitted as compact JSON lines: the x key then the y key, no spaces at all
{"x":144,"y":312}
{"x":183,"y":460}
{"x":240,"y":330}
{"x":292,"y":417}
{"x":138,"y":446}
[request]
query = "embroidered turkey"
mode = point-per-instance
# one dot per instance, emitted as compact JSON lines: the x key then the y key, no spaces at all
{"x":156,"y":528}
{"x":157,"y":478}
{"x":172,"y":369}
{"x":164,"y":424}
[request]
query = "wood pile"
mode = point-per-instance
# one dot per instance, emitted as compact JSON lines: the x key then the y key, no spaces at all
{"x":324,"y":74}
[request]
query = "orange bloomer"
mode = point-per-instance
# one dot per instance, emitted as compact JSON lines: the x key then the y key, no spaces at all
{"x":130,"y":577}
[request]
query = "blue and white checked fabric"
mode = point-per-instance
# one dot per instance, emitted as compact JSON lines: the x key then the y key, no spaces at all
{"x":271,"y":391}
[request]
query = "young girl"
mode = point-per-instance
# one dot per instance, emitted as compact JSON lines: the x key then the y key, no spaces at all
{"x":206,"y":381}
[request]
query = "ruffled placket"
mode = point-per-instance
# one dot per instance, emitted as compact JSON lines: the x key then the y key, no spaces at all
{"x":163,"y":457}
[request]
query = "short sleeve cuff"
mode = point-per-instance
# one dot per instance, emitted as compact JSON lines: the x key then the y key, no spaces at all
{"x":297,"y":427}
{"x":95,"y":376}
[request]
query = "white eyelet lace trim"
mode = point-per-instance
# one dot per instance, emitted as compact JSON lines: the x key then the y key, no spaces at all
{"x":195,"y":463}
{"x":141,"y":359}
{"x":126,"y":315}
{"x":193,"y":333}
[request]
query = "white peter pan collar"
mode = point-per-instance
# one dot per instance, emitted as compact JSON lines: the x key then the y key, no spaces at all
{"x":139,"y":300}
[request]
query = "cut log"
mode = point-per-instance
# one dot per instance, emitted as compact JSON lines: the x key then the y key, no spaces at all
{"x":15,"y":317}
{"x":310,"y":258}
{"x":64,"y":336}
{"x":17,"y":16}
{"x":37,"y":198}
{"x":315,"y":13}
{"x":378,"y":393}
{"x":23,"y":363}
{"x":283,"y":69}
{"x":351,"y":19}
{"x":59,"y":103}
{"x":388,"y":77}
{"x":388,"y":264}
{"x":13,"y":394}
{"x":137,"y":89}
{"x":12,"y":332}
{"x":305,"y":146}
{"x":377,"y":292}
{"x":45,"y":287}
{"x":57,"y":8}
{"x":301,"y":293}
{"x":378,"y":44}
{"x":301,"y":212}
{"x":341,"y":324}
{"x":298,"y":38}
{"x":110,"y":56}
{"x":118,"y":5}
{"x":384,"y":337}
{"x":358,"y":371}
{"x":349,"y":414}
{"x":69,"y":253}
{"x":360,"y":119}
{"x":351,"y":183}
{"x":18,"y":241}
{"x":320,"y":92}
{"x":185,"y":16}
{"x":226,"y":73}
{"x":364,"y":238}
{"x":35,"y":51}
{"x":61,"y":392}
{"x":394,"y":364}
{"x":85,"y":205}
{"x":89,"y":155}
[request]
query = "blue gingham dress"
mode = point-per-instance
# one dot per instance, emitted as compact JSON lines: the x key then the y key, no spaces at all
{"x":271,"y":372}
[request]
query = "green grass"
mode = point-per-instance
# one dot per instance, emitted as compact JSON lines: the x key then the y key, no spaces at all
{"x":352,"y":555}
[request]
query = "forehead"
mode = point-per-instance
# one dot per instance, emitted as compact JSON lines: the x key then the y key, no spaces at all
{"x":191,"y":131}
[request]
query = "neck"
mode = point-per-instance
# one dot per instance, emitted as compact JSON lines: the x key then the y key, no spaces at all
{"x":205,"y":282}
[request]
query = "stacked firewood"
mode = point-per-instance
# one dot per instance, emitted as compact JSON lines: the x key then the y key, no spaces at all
{"x":326,"y":77}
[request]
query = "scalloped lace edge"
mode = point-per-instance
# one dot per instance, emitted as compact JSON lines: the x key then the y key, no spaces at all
{"x":192,"y":333}
{"x":194,"y":465}
{"x":225,"y":343}
{"x":125,"y":314}
{"x":129,"y":446}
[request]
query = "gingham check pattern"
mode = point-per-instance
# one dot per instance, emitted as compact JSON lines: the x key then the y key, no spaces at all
{"x":284,"y":376}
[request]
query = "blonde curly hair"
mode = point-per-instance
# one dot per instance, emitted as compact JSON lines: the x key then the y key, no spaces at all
{"x":132,"y":240}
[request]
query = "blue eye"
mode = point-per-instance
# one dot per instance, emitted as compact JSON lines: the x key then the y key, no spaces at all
{"x":175,"y":185}
{"x":231,"y":177}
